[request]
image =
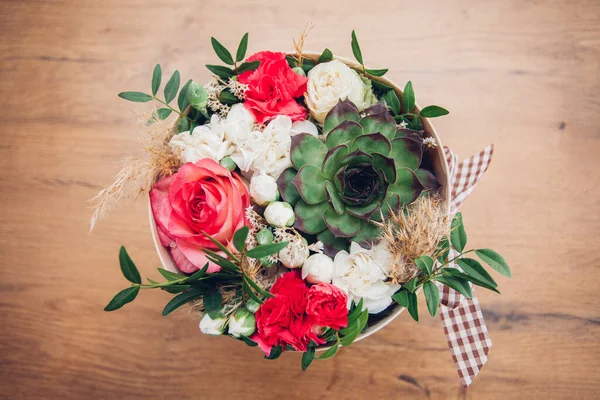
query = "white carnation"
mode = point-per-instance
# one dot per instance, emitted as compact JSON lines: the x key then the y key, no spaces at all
{"x":263,"y":189}
{"x":361,"y":274}
{"x":333,"y":81}
{"x":205,"y":141}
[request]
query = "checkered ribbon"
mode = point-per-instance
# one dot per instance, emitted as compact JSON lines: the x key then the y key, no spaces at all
{"x":463,"y":321}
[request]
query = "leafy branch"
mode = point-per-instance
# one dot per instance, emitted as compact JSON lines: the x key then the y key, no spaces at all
{"x":224,"y":55}
{"x":472,"y":272}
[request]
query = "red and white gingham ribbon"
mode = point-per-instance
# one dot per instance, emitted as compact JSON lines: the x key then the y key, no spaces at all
{"x":463,"y":321}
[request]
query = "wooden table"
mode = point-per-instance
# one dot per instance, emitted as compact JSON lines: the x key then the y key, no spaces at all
{"x":524,"y":75}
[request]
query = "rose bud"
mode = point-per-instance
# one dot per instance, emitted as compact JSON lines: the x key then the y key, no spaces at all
{"x":198,"y":97}
{"x":264,"y":236}
{"x":242,"y":323}
{"x":318,"y":268}
{"x":228,"y":163}
{"x":252,"y":306}
{"x":213,"y":326}
{"x":263,"y":189}
{"x":279,"y":214}
{"x":295,"y":253}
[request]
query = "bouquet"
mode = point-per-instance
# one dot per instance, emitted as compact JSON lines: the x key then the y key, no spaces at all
{"x":298,"y":202}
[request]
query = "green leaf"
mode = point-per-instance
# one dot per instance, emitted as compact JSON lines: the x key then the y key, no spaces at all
{"x":123,"y":297}
{"x":458,"y":236}
{"x":408,"y":97}
{"x":266,"y":250}
{"x":221,"y":261}
{"x":137,"y":97}
{"x":380,"y":85}
{"x":401,"y":298}
{"x":494,"y":260}
{"x":249,"y":341}
{"x":175,"y":288}
{"x":425,"y":264}
{"x":226,"y":97}
{"x":163,"y":113}
{"x":198,"y":274}
{"x":180,"y":300}
{"x":292,"y":62}
{"x":459,"y":284}
{"x":391,"y":100}
{"x":220,"y":71}
{"x":212,"y":301}
{"x":182,"y":100}
{"x":275,"y":353}
{"x":412,"y":284}
{"x":248,"y":290}
{"x":128,"y":268}
{"x":307,"y":65}
{"x":355,"y":313}
{"x":377,"y":72}
{"x":257,"y":288}
{"x":248,"y":66}
{"x":242,"y":47}
{"x":356,"y":49}
{"x":433,"y":111}
{"x":443,"y":249}
{"x":326,"y":56}
{"x":329,"y":353}
{"x":156,"y":78}
{"x":351,"y":332}
{"x":413,"y":306}
{"x":308,"y":357}
{"x":219,"y":245}
{"x":475,"y":269}
{"x":457,"y":274}
{"x":239,"y":238}
{"x":432,"y":297}
{"x":170,"y":276}
{"x":222,"y":52}
{"x":172,"y":87}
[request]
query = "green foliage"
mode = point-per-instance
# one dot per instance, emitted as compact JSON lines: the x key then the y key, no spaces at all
{"x":308,"y":356}
{"x":458,"y":236}
{"x":248,"y":66}
{"x":156,"y":78}
{"x":222,"y":52}
{"x":181,"y":299}
{"x":356,"y":49}
{"x":242,"y":47}
{"x":222,"y":72}
{"x":326,"y":56}
{"x":432,"y":297}
{"x":494,"y":260}
{"x":433,"y":111}
{"x":376,"y":72}
{"x":266,"y":250}
{"x":392,"y":101}
{"x":130,"y":271}
{"x":137,"y":97}
{"x":408,"y":97}
{"x":123,"y":297}
{"x":172,"y":87}
{"x":239,"y":238}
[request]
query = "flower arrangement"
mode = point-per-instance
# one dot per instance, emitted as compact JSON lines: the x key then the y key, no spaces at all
{"x":301,"y":199}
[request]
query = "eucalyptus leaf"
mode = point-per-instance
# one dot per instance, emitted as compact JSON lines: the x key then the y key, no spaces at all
{"x":123,"y":297}
{"x":181,"y":299}
{"x":156,"y":78}
{"x":458,"y":236}
{"x":172,"y":87}
{"x":242,"y":47}
{"x":266,"y":250}
{"x":494,"y":260}
{"x":325,"y":56}
{"x":432,"y":297}
{"x":221,"y":51}
{"x":408,"y":97}
{"x":433,"y":111}
{"x":392,"y":101}
{"x":356,"y":49}
{"x":220,"y":71}
{"x":128,"y":268}
{"x":137,"y":97}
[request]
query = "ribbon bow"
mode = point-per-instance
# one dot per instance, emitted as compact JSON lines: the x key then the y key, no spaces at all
{"x":464,"y":326}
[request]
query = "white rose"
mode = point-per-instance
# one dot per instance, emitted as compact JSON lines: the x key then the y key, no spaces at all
{"x":210,"y":326}
{"x":279,"y":214}
{"x":333,"y":81}
{"x":318,"y":268}
{"x":242,"y":323}
{"x":263,"y":189}
{"x":360,"y":274}
{"x":206,"y":141}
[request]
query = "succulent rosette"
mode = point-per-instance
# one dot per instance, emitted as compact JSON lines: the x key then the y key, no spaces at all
{"x":294,"y":202}
{"x":365,"y":167}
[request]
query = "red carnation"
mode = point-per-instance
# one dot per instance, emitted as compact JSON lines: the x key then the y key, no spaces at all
{"x":328,"y":305}
{"x":273,"y":88}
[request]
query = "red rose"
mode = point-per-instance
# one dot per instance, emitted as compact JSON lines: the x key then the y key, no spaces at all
{"x":201,"y":196}
{"x":328,"y":305}
{"x":282,"y":320}
{"x":273,"y":88}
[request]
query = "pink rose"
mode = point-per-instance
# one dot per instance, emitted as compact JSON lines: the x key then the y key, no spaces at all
{"x":273,"y":88}
{"x":201,"y":196}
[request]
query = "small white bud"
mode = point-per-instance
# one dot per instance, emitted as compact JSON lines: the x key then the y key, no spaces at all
{"x":294,"y":254}
{"x":318,"y":268}
{"x":263,"y":189}
{"x":279,"y":214}
{"x":212,"y":326}
{"x":242,"y":323}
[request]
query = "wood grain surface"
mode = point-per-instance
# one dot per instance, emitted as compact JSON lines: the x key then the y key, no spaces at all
{"x":523,"y":74}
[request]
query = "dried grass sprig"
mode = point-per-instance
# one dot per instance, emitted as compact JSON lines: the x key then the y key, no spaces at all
{"x":412,"y":232}
{"x":299,"y":44}
{"x":138,"y":175}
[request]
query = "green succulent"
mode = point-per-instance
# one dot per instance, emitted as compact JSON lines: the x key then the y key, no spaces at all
{"x":363,"y":168}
